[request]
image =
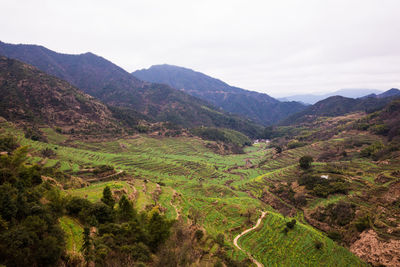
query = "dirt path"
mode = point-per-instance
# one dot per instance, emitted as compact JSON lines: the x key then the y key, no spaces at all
{"x":235,"y":241}
{"x":178,"y":214}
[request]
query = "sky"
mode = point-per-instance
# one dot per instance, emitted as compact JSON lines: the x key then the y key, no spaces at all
{"x":278,"y":47}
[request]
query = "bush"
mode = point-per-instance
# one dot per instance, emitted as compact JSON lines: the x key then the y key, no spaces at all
{"x":291,"y":224}
{"x":295,"y":144}
{"x":199,"y":235}
{"x":220,"y":239}
{"x":48,"y":152}
{"x":381,"y":129}
{"x":362,"y":223}
{"x":318,"y":244}
{"x":305,"y":162}
{"x":8,"y":143}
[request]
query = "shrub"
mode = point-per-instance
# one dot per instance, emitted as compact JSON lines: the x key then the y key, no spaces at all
{"x":48,"y":152}
{"x":8,"y":143}
{"x":318,"y":244}
{"x":305,"y":162}
{"x":220,"y":239}
{"x":362,"y":223}
{"x":291,"y":224}
{"x":199,"y":235}
{"x":381,"y":129}
{"x":295,"y":144}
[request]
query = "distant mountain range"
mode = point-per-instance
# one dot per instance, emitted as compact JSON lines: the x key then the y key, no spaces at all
{"x":314,"y":98}
{"x":339,"y":105}
{"x":259,"y":107}
{"x":102,"y":79}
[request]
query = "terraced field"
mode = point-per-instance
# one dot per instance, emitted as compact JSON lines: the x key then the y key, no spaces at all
{"x":214,"y":190}
{"x":272,"y":247}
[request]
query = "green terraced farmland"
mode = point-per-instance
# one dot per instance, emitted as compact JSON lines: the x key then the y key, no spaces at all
{"x":271,"y":246}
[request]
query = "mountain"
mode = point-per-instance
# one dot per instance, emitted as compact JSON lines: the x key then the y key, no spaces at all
{"x":314,"y":98}
{"x":339,"y":105}
{"x":31,"y":95}
{"x":394,"y":92}
{"x":102,"y":79}
{"x":259,"y":107}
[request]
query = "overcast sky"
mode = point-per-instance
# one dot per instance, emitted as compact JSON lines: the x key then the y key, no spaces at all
{"x":278,"y":47}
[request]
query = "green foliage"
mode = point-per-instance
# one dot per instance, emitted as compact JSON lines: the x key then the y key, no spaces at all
{"x":223,"y":135}
{"x":294,"y":144}
{"x":291,"y":224}
{"x":158,"y":229}
{"x":8,"y":143}
{"x":108,"y":198}
{"x":305,"y":162}
{"x":125,"y":211}
{"x":323,"y":187}
{"x":370,"y":150}
{"x":87,"y":246}
{"x":32,"y":236}
{"x":381,"y":129}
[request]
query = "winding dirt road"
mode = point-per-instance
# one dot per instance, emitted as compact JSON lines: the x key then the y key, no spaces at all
{"x":259,"y":264}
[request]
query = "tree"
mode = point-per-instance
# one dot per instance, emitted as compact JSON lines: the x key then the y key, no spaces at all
{"x":278,"y":150}
{"x":158,"y":229}
{"x":126,"y":212}
{"x":107,"y":197}
{"x":87,"y":246}
{"x":305,"y":162}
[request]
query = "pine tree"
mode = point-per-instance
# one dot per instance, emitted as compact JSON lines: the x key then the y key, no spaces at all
{"x":87,"y":246}
{"x":126,"y":212}
{"x":107,"y":197}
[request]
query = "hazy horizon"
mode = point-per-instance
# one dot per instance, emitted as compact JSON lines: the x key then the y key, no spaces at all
{"x":279,"y":48}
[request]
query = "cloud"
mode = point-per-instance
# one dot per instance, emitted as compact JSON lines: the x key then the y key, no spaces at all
{"x":278,"y":47}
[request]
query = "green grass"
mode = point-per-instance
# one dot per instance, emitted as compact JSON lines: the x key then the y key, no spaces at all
{"x":73,"y":232}
{"x":271,"y":246}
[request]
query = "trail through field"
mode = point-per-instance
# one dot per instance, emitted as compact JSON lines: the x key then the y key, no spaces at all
{"x":235,"y":241}
{"x":178,"y":214}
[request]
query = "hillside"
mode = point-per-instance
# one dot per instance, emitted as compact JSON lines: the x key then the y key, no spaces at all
{"x":339,"y":105}
{"x":33,"y":96}
{"x":257,"y":106}
{"x":114,"y":86}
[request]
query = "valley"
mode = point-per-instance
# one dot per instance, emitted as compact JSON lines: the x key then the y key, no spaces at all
{"x":224,"y":194}
{"x":99,"y":168}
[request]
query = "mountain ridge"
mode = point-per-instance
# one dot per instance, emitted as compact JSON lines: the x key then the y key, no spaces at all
{"x":314,"y":98}
{"x":259,"y":107}
{"x":114,"y":86}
